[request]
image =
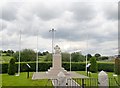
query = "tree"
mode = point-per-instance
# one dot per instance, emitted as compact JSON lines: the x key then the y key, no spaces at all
{"x":89,"y":56}
{"x":9,"y":52}
{"x":26,"y":55}
{"x":4,"y":51}
{"x":40,"y":54}
{"x":48,"y":57}
{"x":77,"y":56}
{"x":12,"y":67}
{"x":65,"y":57}
{"x":97,"y":55}
{"x":45,"y":53}
{"x":103,"y":58}
{"x":94,"y":66}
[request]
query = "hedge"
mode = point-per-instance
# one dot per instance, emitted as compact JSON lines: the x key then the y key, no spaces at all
{"x":108,"y":67}
{"x":44,"y":66}
{"x":117,"y":66}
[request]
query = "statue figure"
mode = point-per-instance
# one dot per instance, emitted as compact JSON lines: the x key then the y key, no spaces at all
{"x":57,"y":49}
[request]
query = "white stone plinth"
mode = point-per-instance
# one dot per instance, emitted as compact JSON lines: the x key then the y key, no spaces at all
{"x":103,"y":79}
{"x":61,"y":79}
{"x":57,"y":61}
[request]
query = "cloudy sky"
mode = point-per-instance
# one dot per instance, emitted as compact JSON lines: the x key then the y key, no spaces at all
{"x":89,"y":27}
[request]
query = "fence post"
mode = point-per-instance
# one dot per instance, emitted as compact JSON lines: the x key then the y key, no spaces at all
{"x":83,"y":83}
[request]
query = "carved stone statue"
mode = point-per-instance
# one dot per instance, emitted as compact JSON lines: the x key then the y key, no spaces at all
{"x":57,"y":49}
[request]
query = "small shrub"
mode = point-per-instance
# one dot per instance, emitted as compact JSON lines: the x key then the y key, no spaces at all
{"x":12,"y":67}
{"x":93,"y":67}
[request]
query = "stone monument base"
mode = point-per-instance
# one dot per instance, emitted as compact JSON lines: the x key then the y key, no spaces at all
{"x":44,"y":75}
{"x":56,"y":71}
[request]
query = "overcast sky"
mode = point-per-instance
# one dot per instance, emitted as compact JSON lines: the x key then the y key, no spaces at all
{"x":89,"y":27}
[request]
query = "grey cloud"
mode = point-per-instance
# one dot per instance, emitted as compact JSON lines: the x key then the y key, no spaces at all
{"x":78,"y":33}
{"x":39,"y":18}
{"x":46,"y":12}
{"x":83,"y":11}
{"x":3,"y":25}
{"x":9,"y":11}
{"x":111,"y":11}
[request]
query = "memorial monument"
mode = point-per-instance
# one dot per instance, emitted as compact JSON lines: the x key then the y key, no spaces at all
{"x":56,"y":70}
{"x":56,"y":63}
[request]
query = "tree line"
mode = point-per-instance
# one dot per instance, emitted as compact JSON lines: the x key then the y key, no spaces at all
{"x":30,"y":55}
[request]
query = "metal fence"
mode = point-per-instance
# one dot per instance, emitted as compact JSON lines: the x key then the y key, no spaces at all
{"x":82,"y":83}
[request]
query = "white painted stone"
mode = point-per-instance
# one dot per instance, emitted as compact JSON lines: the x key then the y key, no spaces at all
{"x":61,"y":79}
{"x":103,"y":79}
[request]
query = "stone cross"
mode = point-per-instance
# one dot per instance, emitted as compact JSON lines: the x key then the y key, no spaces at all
{"x":57,"y":49}
{"x":103,"y":79}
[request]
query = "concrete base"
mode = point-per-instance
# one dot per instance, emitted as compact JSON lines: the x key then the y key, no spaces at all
{"x":45,"y":75}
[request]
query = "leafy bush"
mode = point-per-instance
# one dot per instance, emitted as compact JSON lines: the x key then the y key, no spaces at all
{"x":12,"y":67}
{"x":93,"y":67}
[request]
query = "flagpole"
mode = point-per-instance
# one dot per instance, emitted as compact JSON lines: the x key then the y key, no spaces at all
{"x":53,"y":38}
{"x":70,"y":52}
{"x":70,"y":62}
{"x":19,"y":54}
{"x":86,"y":51}
{"x":37,"y":55}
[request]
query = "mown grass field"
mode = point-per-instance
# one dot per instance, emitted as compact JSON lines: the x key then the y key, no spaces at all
{"x":22,"y":80}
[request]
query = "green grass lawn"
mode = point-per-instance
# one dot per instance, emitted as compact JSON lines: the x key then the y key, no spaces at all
{"x":23,"y":81}
{"x":95,"y":75}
